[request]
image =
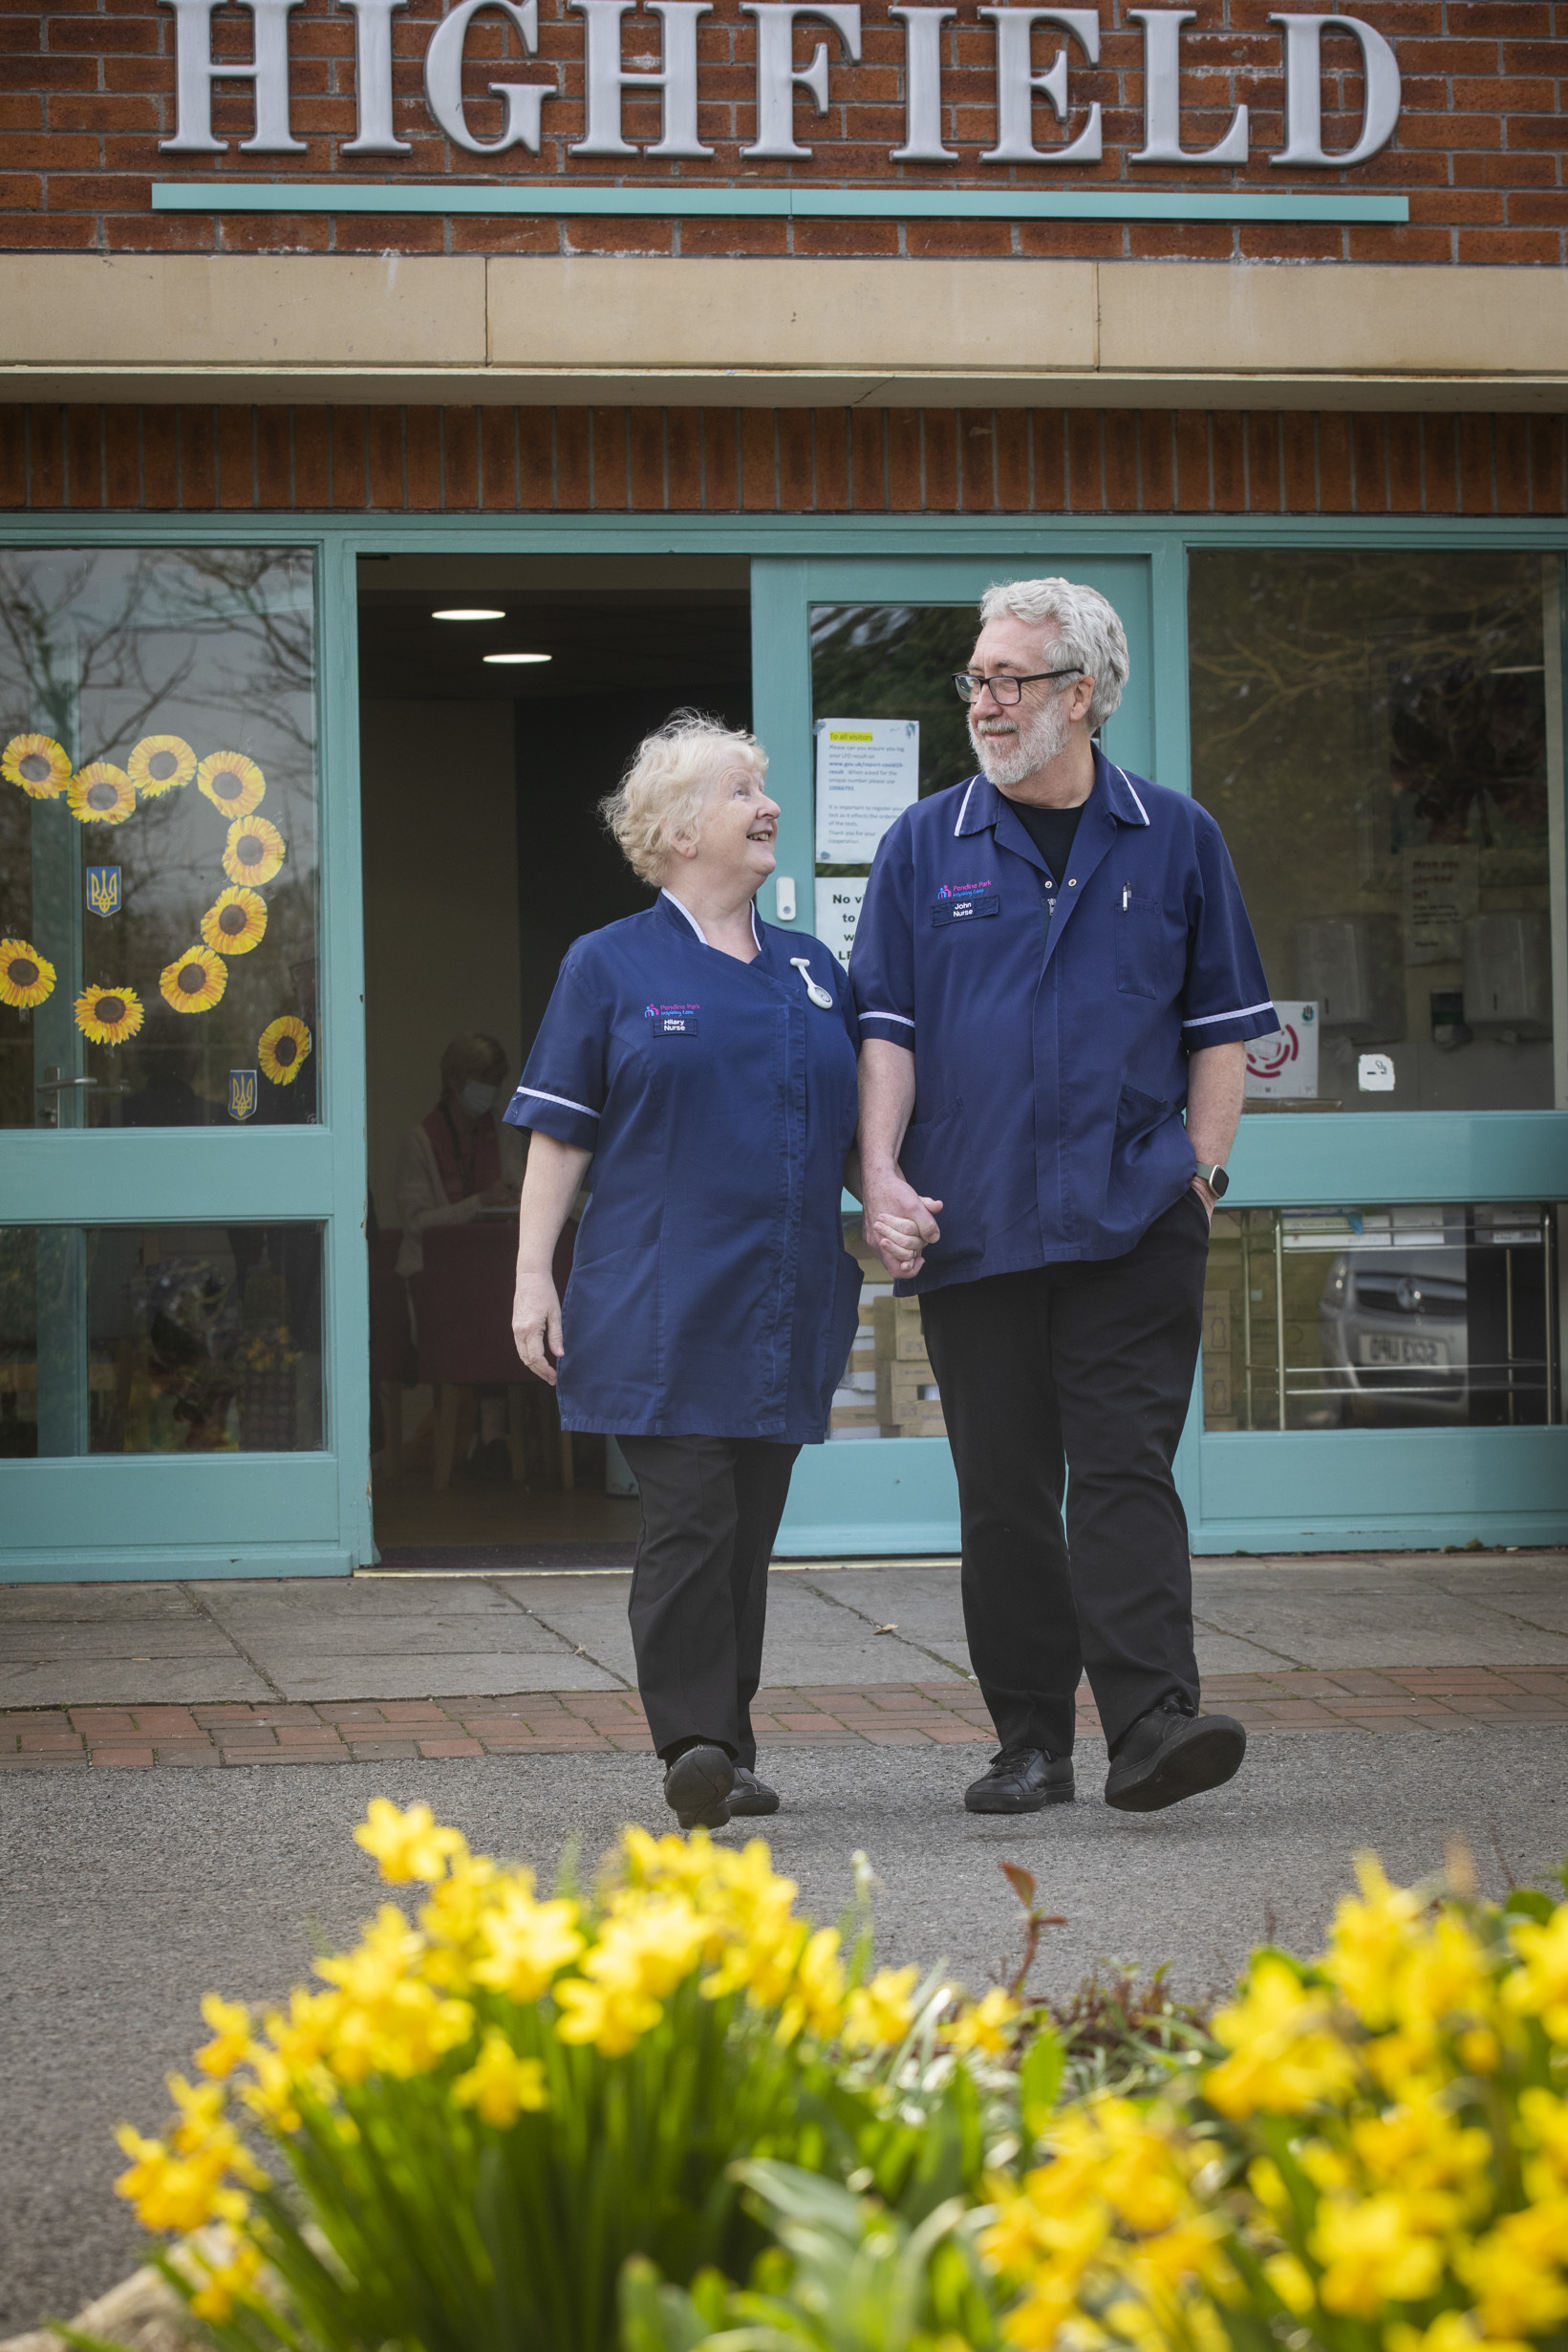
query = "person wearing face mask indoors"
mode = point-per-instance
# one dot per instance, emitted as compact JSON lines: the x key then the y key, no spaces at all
{"x":461,"y":1162}
{"x":1056,"y":980}
{"x":695,"y":1067}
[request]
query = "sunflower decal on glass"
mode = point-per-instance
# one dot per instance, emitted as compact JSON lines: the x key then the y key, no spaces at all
{"x":235,"y":922}
{"x":194,"y":981}
{"x":282,"y":1049}
{"x":100,"y":793}
{"x":37,"y":764}
{"x":109,"y":1016}
{"x":26,"y":977}
{"x":254,"y":852}
{"x":160,"y":763}
{"x":231,"y":781}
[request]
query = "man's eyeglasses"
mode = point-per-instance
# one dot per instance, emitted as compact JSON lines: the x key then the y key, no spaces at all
{"x":1005,"y":689}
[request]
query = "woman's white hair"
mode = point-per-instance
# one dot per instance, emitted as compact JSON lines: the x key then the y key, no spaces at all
{"x":1091,"y":638}
{"x":673,"y":771}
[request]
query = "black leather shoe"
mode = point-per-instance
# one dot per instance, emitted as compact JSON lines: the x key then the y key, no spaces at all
{"x":1169,"y":1755}
{"x":749,"y":1795}
{"x":1021,"y":1780}
{"x":697,"y":1787}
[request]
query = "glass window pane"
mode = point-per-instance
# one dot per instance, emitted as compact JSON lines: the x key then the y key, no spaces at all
{"x":889,"y":1389}
{"x":164,"y":1339}
{"x":158,"y":838}
{"x":1390,"y":1318}
{"x":1370,"y":728}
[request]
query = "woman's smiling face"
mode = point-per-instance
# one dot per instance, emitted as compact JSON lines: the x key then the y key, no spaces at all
{"x":738,"y":831}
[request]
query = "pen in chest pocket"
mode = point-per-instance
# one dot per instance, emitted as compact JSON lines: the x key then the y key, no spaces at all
{"x":1127,"y":894}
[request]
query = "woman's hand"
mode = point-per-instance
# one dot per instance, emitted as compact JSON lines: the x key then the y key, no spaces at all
{"x":900,"y":1226}
{"x":536,"y":1322}
{"x":499,"y":1196}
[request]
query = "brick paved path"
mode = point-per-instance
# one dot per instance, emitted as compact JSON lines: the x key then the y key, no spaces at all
{"x":882,"y":1714}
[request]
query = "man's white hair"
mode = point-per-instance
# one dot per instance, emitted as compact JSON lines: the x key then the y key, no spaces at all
{"x":1091,"y":638}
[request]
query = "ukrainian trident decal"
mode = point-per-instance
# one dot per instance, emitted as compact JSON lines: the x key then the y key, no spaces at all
{"x":242,"y":1093}
{"x":104,"y":890}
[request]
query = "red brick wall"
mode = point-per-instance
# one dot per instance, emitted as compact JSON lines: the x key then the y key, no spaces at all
{"x":1479,"y":147}
{"x":462,"y":460}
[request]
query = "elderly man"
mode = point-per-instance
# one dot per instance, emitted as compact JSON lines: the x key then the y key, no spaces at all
{"x":1052,"y":965}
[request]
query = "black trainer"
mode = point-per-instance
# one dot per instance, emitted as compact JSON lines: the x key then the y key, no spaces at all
{"x":1170,"y":1754}
{"x":749,"y":1795}
{"x":697,"y":1787}
{"x":1021,"y":1780}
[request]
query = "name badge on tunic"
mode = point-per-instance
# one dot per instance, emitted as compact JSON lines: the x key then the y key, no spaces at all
{"x":962,"y":903}
{"x":673,"y":1019}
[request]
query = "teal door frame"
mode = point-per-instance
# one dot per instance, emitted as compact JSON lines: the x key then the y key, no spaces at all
{"x":127,"y":1517}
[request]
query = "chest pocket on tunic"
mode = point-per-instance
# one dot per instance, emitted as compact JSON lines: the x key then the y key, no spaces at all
{"x":1151,"y":947}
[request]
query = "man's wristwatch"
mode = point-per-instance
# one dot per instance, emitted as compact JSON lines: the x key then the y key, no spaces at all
{"x":1216,"y":1179}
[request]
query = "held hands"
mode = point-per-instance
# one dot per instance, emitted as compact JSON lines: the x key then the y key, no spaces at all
{"x":899,"y":1224}
{"x":536,"y":1324}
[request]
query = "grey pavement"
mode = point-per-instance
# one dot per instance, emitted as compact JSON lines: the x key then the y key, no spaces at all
{"x":124,"y":1897}
{"x":397,"y":1637}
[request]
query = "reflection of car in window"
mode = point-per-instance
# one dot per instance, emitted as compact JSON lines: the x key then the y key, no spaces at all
{"x":1395,"y":1335}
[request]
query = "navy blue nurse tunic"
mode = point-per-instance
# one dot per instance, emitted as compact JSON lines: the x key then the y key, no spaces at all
{"x":711,"y":1294}
{"x":1051,"y":1018}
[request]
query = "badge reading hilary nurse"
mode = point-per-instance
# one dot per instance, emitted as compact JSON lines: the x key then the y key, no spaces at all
{"x":673,"y":1020}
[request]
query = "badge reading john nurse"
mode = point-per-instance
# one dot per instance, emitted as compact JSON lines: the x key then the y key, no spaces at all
{"x":673,"y":1020}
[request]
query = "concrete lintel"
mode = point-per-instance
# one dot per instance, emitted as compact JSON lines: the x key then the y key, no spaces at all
{"x":649,"y":331}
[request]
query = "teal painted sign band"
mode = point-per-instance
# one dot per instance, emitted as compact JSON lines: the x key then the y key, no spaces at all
{"x":673,"y":201}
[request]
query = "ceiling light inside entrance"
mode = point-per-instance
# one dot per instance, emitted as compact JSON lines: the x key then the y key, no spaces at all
{"x":468,"y":611}
{"x":519,"y":656}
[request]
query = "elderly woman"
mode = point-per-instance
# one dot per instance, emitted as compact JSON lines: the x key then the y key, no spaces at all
{"x":703,"y":1063}
{"x":459,"y":1159}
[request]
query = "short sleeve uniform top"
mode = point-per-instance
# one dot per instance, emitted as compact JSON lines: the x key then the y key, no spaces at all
{"x":711,"y":1294}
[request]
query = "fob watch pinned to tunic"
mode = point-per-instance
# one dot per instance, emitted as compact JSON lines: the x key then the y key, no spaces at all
{"x":814,"y":990}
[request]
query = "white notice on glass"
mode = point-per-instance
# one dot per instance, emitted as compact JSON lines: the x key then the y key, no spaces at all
{"x":838,"y":912}
{"x":867,"y":774}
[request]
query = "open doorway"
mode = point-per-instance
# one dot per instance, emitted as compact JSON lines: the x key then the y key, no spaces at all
{"x":484,"y":859}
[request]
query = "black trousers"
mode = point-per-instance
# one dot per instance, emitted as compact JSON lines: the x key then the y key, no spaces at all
{"x":1084,"y":1369}
{"x":711,"y":1508}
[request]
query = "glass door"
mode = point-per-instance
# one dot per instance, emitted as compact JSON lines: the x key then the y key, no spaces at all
{"x":171,"y":1275}
{"x":853,"y":658}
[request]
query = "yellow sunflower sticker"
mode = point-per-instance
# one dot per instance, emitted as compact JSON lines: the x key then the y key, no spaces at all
{"x":160,"y":763}
{"x":282,"y":1049}
{"x":26,"y":977}
{"x":108,"y":1016}
{"x":255,"y":850}
{"x":234,"y":923}
{"x":231,"y":781}
{"x":194,"y":982}
{"x":37,"y":763}
{"x":100,"y":793}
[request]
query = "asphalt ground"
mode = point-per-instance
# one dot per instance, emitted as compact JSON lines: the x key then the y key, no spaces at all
{"x":124,"y":1896}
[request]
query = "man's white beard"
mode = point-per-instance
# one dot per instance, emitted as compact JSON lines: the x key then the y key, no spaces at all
{"x":1007,"y":759}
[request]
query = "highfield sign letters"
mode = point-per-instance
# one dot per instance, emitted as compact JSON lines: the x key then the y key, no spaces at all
{"x":779,"y":78}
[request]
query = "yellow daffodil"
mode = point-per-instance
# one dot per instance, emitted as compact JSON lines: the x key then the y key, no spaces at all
{"x":522,"y":1946}
{"x":499,"y":2085}
{"x":225,"y":2284}
{"x":880,"y":2013}
{"x":230,"y":2046}
{"x":1539,"y":1987}
{"x":38,"y":765}
{"x":1285,"y":2056}
{"x":408,"y":1846}
{"x":1368,"y":1941}
{"x":988,"y":2024}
